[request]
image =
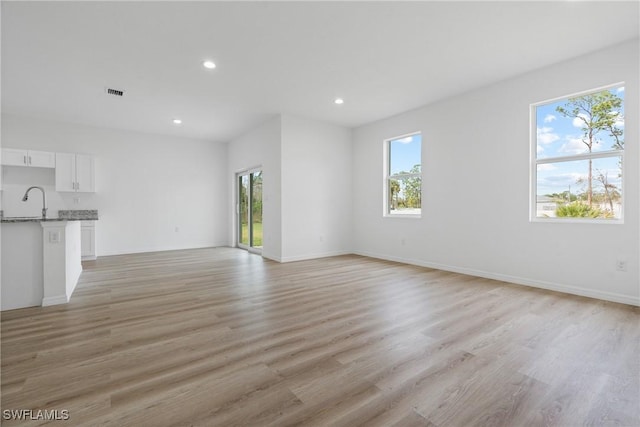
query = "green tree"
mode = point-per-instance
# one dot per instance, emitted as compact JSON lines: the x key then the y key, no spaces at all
{"x":597,"y":112}
{"x":611,"y":192}
{"x":394,"y":191}
{"x":580,"y":210}
{"x":413,"y":189}
{"x":565,"y":196}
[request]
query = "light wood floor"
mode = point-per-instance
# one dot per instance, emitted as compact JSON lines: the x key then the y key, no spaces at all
{"x":219,"y":337}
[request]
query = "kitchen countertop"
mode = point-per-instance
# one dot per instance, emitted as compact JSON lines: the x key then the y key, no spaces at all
{"x":29,"y":219}
{"x":71,"y":215}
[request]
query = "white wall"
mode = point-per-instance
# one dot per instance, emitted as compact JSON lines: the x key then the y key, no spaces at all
{"x":476,"y":187}
{"x":259,"y":147}
{"x":147,"y":186}
{"x":316,"y":189}
{"x":306,"y":186}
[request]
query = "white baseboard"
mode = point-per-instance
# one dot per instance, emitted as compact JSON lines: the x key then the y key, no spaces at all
{"x":313,"y":256}
{"x":158,"y":249}
{"x":54,"y":300}
{"x":567,"y":289}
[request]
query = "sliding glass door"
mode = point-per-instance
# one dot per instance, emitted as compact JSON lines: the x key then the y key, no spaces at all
{"x":250,"y":210}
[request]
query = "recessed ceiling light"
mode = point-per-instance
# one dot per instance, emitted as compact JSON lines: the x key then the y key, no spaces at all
{"x":177,"y":121}
{"x":339,"y":101}
{"x":209,"y":64}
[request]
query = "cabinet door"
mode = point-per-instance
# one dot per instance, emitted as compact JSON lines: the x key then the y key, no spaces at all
{"x":85,"y":174}
{"x":65,"y":172}
{"x":42,"y":159}
{"x":88,"y":242}
{"x":14,"y":157}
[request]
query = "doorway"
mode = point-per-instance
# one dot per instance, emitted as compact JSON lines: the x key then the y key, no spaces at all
{"x":250,"y":210}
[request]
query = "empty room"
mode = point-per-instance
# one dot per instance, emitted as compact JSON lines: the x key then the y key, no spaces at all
{"x":385,"y":213}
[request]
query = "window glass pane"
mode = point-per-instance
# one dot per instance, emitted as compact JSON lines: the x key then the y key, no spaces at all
{"x":582,"y":124}
{"x":243,"y":203}
{"x":404,"y":154}
{"x":256,"y":209}
{"x":405,"y":196}
{"x":567,"y":183}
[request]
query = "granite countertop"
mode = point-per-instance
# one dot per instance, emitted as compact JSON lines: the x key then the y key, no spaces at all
{"x":77,"y":215}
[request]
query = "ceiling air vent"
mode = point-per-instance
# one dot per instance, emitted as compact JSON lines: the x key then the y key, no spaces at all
{"x":115,"y":92}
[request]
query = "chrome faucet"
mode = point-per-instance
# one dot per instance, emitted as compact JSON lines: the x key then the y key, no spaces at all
{"x":44,"y":199}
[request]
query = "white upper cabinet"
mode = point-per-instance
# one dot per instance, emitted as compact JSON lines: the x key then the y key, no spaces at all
{"x":75,"y":173}
{"x":33,"y":158}
{"x":85,"y":173}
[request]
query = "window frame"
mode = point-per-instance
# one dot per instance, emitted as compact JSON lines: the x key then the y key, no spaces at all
{"x":535,"y":162}
{"x":387,"y":177}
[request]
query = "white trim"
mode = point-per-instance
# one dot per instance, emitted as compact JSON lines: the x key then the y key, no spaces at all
{"x":405,"y":216}
{"x":160,"y":249}
{"x":272,"y":258}
{"x":575,"y":220}
{"x":313,"y":256}
{"x":577,"y":94}
{"x":558,"y":287}
{"x":236,"y":217}
{"x":248,"y":170}
{"x":55,"y":300}
{"x":583,"y":156}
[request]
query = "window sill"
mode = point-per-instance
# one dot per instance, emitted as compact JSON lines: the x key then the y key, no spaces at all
{"x":405,"y":216}
{"x":576,"y":221}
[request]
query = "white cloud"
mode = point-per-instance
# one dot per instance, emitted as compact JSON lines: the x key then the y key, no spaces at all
{"x":563,"y":179}
{"x":573,"y":146}
{"x":620,"y":89}
{"x":546,"y":136}
{"x":577,"y":122}
{"x":539,"y":149}
{"x":546,"y":167}
{"x":405,"y":140}
{"x":619,"y":119}
{"x":549,"y":118}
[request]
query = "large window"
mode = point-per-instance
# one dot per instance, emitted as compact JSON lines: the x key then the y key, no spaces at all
{"x":403,"y":176}
{"x":578,"y":157}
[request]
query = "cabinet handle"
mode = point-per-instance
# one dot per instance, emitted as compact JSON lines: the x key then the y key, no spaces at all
{"x":29,"y":159}
{"x":24,"y":159}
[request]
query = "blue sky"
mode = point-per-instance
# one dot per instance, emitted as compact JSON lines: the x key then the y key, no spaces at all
{"x":561,"y":136}
{"x":405,"y":153}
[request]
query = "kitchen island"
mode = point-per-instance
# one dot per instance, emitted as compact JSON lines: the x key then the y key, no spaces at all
{"x":41,"y":261}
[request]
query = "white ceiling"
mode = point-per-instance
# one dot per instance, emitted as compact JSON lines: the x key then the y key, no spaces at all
{"x":383,"y":58}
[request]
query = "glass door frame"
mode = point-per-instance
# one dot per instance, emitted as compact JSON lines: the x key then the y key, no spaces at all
{"x":238,"y":233}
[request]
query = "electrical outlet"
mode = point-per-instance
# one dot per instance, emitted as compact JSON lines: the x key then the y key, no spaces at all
{"x":621,"y":265}
{"x":54,"y":237}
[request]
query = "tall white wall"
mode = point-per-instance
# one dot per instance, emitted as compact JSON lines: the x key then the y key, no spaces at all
{"x":476,"y":159}
{"x":306,"y":186}
{"x":153,"y":192}
{"x":316,"y":189}
{"x":259,"y":147}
